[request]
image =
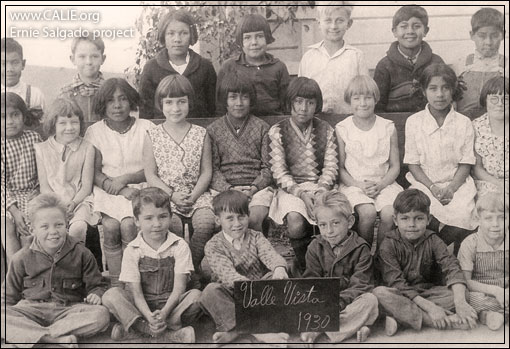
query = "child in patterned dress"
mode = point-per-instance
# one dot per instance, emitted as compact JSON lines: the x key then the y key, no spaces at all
{"x":177,"y":159}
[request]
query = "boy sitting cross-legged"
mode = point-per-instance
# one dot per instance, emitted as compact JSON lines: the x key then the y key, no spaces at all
{"x":412,"y":260}
{"x":156,"y":267}
{"x":237,"y":253}
{"x":340,"y":252}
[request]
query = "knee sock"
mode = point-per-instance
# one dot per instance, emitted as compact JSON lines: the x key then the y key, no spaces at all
{"x":113,"y":256}
{"x":300,"y":247}
{"x":203,"y":230}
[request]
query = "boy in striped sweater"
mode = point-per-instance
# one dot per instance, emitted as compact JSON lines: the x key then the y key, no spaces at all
{"x":237,"y":253}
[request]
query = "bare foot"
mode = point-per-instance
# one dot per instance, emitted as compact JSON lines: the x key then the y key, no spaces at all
{"x":69,"y":341}
{"x":224,"y":337}
{"x":309,"y":337}
{"x":272,"y":337}
{"x":362,"y":334}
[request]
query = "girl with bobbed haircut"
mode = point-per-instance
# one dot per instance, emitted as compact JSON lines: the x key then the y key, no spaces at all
{"x":238,"y":82}
{"x":447,"y":74}
{"x":305,"y":88}
{"x":106,"y":91}
{"x":362,"y":85}
{"x":174,"y":86}
{"x":253,"y":23}
{"x":62,"y":107}
{"x":11,"y":99}
{"x":496,"y":86}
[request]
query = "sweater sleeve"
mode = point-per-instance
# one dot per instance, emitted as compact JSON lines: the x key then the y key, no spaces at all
{"x":449,"y":264}
{"x":147,"y":90}
{"x":12,"y":287}
{"x":383,"y":80}
{"x":361,"y":280}
{"x":330,"y":168}
{"x":313,"y":262}
{"x":264,"y":179}
{"x":392,"y":274}
{"x":218,"y":181}
{"x":279,"y":168}
{"x":267,"y":253}
{"x":221,"y":265}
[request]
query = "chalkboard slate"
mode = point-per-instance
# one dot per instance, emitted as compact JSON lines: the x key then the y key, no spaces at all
{"x":292,"y":305}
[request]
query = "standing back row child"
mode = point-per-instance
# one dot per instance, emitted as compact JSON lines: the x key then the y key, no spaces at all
{"x":177,"y":31}
{"x":268,"y":73}
{"x":13,"y":64}
{"x":87,"y":54}
{"x":332,"y":63}
{"x":398,"y":73}
{"x":487,"y":32}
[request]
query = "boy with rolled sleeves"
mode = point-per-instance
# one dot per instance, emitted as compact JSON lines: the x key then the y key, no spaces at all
{"x":53,"y":289}
{"x":413,"y":262}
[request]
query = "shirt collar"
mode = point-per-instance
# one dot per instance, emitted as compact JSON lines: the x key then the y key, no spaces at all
{"x":77,"y":81}
{"x":18,"y":87}
{"x":186,"y":61}
{"x":480,"y":57}
{"x":320,"y":46}
{"x":230,"y":238}
{"x":409,"y":58}
{"x":139,"y":242}
{"x":431,"y":125}
{"x":74,"y":145}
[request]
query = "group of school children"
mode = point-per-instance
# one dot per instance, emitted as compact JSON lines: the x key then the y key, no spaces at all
{"x":143,"y":183}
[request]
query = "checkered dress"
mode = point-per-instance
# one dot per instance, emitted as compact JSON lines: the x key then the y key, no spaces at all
{"x":19,"y":171}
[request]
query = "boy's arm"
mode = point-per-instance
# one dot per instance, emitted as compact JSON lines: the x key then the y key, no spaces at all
{"x":268,"y":254}
{"x":383,"y":80}
{"x":313,"y":262}
{"x":180,"y":281}
{"x":221,"y":265}
{"x":450,"y":266}
{"x":205,"y":176}
{"x":361,"y":280}
{"x":394,"y":169}
{"x":279,"y":168}
{"x":12,"y":287}
{"x":218,"y":181}
{"x":141,"y":304}
{"x":92,"y":277}
{"x":391,"y":271}
{"x":476,"y":286}
{"x":330,"y":167}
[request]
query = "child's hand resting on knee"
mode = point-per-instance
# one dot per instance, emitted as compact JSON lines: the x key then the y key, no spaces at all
{"x":309,"y":202}
{"x":93,"y":299}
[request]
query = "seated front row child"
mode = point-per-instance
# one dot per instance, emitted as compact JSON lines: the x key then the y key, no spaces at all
{"x":53,"y":289}
{"x":339,"y":252}
{"x":413,"y":262}
{"x":156,"y":267}
{"x":240,"y":147}
{"x":483,"y":257}
{"x":65,"y":164}
{"x":237,"y":253}
{"x":303,"y":155}
{"x":369,"y":159}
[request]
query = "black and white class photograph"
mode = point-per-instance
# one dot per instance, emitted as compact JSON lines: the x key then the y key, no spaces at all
{"x":255,"y":174}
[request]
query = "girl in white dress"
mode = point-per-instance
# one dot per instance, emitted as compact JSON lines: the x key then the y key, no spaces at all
{"x":439,"y":153}
{"x":178,"y":159}
{"x":118,"y":176}
{"x":65,"y":164}
{"x":369,"y":159}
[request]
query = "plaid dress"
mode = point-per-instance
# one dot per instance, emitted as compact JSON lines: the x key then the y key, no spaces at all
{"x":19,"y":171}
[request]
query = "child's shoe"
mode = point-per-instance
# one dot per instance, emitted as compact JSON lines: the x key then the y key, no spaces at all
{"x":362,"y":334}
{"x":492,"y":319}
{"x":390,"y":326}
{"x":183,"y":335}
{"x":120,"y":334}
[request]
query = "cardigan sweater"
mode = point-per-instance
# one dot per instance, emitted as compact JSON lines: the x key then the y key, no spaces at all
{"x":397,"y":80}
{"x":240,"y":158}
{"x":200,"y":73}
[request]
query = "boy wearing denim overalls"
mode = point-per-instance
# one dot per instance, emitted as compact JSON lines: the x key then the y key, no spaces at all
{"x":156,"y":267}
